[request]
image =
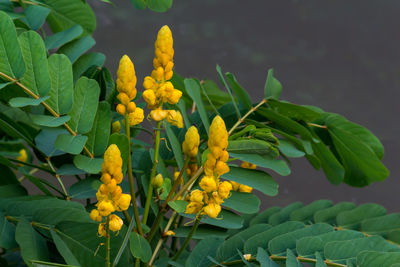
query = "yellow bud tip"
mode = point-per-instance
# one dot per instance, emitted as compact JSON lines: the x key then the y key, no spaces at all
{"x":23,"y":156}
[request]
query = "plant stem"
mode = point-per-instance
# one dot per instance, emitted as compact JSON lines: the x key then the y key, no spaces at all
{"x":317,"y":125}
{"x":188,"y":238}
{"x":152,"y":174}
{"x":58,"y":177}
{"x":130,"y":178}
{"x":52,"y":111}
{"x":108,"y":249}
{"x":240,"y":120}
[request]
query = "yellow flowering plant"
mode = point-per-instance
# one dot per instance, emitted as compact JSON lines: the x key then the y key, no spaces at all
{"x":121,"y":173}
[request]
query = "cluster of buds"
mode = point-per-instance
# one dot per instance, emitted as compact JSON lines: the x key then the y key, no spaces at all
{"x":110,"y":197}
{"x":190,"y":148}
{"x":158,"y":88}
{"x":126,"y":86}
{"x":241,"y":187}
{"x":208,"y":200}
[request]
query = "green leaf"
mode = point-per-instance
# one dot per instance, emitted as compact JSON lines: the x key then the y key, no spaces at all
{"x":284,"y":214}
{"x":340,"y":250}
{"x":176,"y":146}
{"x":70,"y":143}
{"x":362,"y":166}
{"x":202,"y":232}
{"x":19,"y":102}
{"x":264,"y":260}
{"x":307,"y":212}
{"x":277,"y":165}
{"x":139,"y":246}
{"x":263,"y":238}
{"x":48,"y":264}
{"x":233,"y":100}
{"x":2,"y":85}
{"x":226,"y":219}
{"x":178,"y":205}
{"x":227,"y":251}
{"x":294,"y":111}
{"x":257,"y":179}
{"x":194,"y":91}
{"x":243,"y":202}
{"x":204,"y":249}
{"x":86,"y":99}
{"x":62,"y":87}
{"x":64,"y":250}
{"x":329,"y":215}
{"x":46,"y":139}
{"x":36,"y":77}
{"x":122,"y":142}
{"x":272,"y":88}
{"x":320,"y":261}
{"x":241,"y":94}
{"x":373,"y":258}
{"x":289,"y":150}
{"x":7,"y":233}
{"x":291,"y":260}
{"x":139,"y":4}
{"x":49,"y":121}
{"x":61,"y":38}
{"x":351,"y":219}
{"x":286,"y":241}
{"x":83,"y":189}
{"x":12,"y":190}
{"x":33,"y":245}
{"x":381,"y":225}
{"x":73,"y":50}
{"x":252,"y":146}
{"x":86,"y":61}
{"x":11,"y":60}
{"x":264,"y":216}
{"x":54,"y":215}
{"x":36,"y":16}
{"x":159,"y":5}
{"x":89,"y":165}
{"x":98,"y":136}
{"x":66,"y":13}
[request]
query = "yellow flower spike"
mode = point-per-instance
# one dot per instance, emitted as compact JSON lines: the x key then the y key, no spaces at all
{"x":208,"y":184}
{"x":123,"y":202}
{"x":23,"y":156}
{"x":158,"y":114}
{"x":115,"y":223}
{"x":126,"y":77}
{"x":224,"y":189}
{"x":136,"y":116}
{"x":102,"y":230}
{"x":212,"y":210}
{"x":121,"y":109}
{"x":157,"y":181}
{"x":245,"y":188}
{"x":95,"y":215}
{"x":105,"y":208}
{"x":105,"y":178}
{"x":175,"y":118}
{"x":193,"y":207}
{"x":196,"y":196}
{"x":192,"y":141}
{"x":116,"y":127}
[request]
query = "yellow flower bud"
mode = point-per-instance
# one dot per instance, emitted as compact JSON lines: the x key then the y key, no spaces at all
{"x":224,"y":189}
{"x":248,"y":165}
{"x":175,"y":118}
{"x":216,"y":198}
{"x":123,"y":202}
{"x":150,"y":97}
{"x":212,"y":210}
{"x":95,"y":215}
{"x":105,"y":178}
{"x":149,"y":83}
{"x":221,"y":168}
{"x":191,"y":144}
{"x":247,"y":257}
{"x":116,"y":127}
{"x":235,"y":185}
{"x":102,"y":230}
{"x":116,"y":194}
{"x":23,"y":156}
{"x":158,"y":114}
{"x":105,"y":207}
{"x":193,"y":207}
{"x":126,"y":77}
{"x":208,"y":184}
{"x":136,"y":117}
{"x":111,"y":185}
{"x":123,"y":98}
{"x":121,"y":109}
{"x":196,"y":196}
{"x":157,"y":181}
{"x":245,"y":188}
{"x":115,"y":223}
{"x":168,"y":233}
{"x":118,"y":177}
{"x":131,"y":107}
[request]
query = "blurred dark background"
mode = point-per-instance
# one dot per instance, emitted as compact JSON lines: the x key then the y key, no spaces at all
{"x":343,"y":56}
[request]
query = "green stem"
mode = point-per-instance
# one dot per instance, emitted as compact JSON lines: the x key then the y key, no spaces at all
{"x":137,"y":262}
{"x":108,"y":249}
{"x":58,"y":177}
{"x":130,"y":178}
{"x":152,"y":174}
{"x":188,"y":238}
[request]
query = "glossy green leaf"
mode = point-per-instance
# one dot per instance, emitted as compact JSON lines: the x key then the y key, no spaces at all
{"x":46,"y":139}
{"x":381,"y":225}
{"x":277,"y":165}
{"x":36,"y":16}
{"x":36,"y":77}
{"x":373,"y":258}
{"x":264,"y":260}
{"x":351,"y":219}
{"x":320,"y":260}
{"x":178,"y":205}
{"x":203,"y":232}
{"x":225,"y":219}
{"x":86,"y":99}
{"x":284,"y":214}
{"x":246,"y":203}
{"x":7,"y":233}
{"x":87,"y":164}
{"x":291,"y":260}
{"x":140,"y":248}
{"x":55,"y":215}
{"x":49,"y":121}
{"x":240,"y":93}
{"x":289,"y":150}
{"x":199,"y":256}
{"x":139,"y":4}
{"x":176,"y":145}
{"x":19,"y":102}
{"x":83,"y":189}
{"x":86,"y":61}
{"x":159,"y":5}
{"x":62,"y":87}
{"x":12,"y":190}
{"x":100,"y":132}
{"x":73,"y":50}
{"x":11,"y":60}
{"x":70,"y":143}
{"x":264,"y":216}
{"x":193,"y":89}
{"x":61,"y":38}
{"x":33,"y":245}
{"x":272,"y":88}
{"x":252,"y":146}
{"x":233,"y":100}
{"x":294,"y":111}
{"x":329,"y":215}
{"x":257,"y":179}
{"x":64,"y":250}
{"x":307,"y":212}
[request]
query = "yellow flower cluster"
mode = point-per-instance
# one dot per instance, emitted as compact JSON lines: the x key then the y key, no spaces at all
{"x":190,"y":148}
{"x":214,"y":192}
{"x":23,"y":156}
{"x":241,"y":187}
{"x":110,"y":197}
{"x":158,"y":88}
{"x":126,"y":86}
